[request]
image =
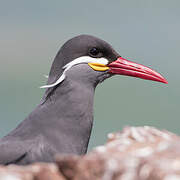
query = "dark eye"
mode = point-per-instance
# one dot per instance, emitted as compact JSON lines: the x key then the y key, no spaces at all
{"x":94,"y":51}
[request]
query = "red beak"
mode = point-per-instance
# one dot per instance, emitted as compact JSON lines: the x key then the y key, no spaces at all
{"x":124,"y":67}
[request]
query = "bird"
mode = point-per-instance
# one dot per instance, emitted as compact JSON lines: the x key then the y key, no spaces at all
{"x":63,"y":120}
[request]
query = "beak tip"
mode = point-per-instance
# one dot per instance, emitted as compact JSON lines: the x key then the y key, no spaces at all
{"x":164,"y":81}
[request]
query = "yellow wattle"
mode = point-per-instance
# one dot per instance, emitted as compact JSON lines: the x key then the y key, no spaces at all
{"x":98,"y":67}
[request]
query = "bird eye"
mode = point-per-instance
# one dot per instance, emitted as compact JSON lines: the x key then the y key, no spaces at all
{"x":94,"y":51}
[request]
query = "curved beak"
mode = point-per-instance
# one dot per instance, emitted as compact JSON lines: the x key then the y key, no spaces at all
{"x":125,"y":67}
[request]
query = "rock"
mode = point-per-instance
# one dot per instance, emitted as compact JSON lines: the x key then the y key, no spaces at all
{"x":141,"y":153}
{"x":37,"y":171}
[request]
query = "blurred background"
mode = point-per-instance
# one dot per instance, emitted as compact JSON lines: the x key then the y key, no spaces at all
{"x":147,"y":32}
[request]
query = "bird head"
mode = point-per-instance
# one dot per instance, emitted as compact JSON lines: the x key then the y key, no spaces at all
{"x":89,"y":56}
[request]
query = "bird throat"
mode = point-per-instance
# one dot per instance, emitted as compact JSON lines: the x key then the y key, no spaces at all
{"x":70,"y":110}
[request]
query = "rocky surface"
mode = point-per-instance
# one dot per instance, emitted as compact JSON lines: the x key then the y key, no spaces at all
{"x":141,"y":153}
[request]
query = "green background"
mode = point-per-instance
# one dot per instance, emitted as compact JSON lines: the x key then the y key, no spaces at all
{"x":147,"y":32}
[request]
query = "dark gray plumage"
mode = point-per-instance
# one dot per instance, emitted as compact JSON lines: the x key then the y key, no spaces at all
{"x":62,"y":122}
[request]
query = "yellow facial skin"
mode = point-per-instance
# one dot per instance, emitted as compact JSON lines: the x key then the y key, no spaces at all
{"x":98,"y":67}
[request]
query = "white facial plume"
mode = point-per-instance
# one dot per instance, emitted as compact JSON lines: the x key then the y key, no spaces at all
{"x":80,"y":60}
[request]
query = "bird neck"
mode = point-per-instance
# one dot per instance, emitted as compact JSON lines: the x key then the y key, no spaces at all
{"x":69,"y":111}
